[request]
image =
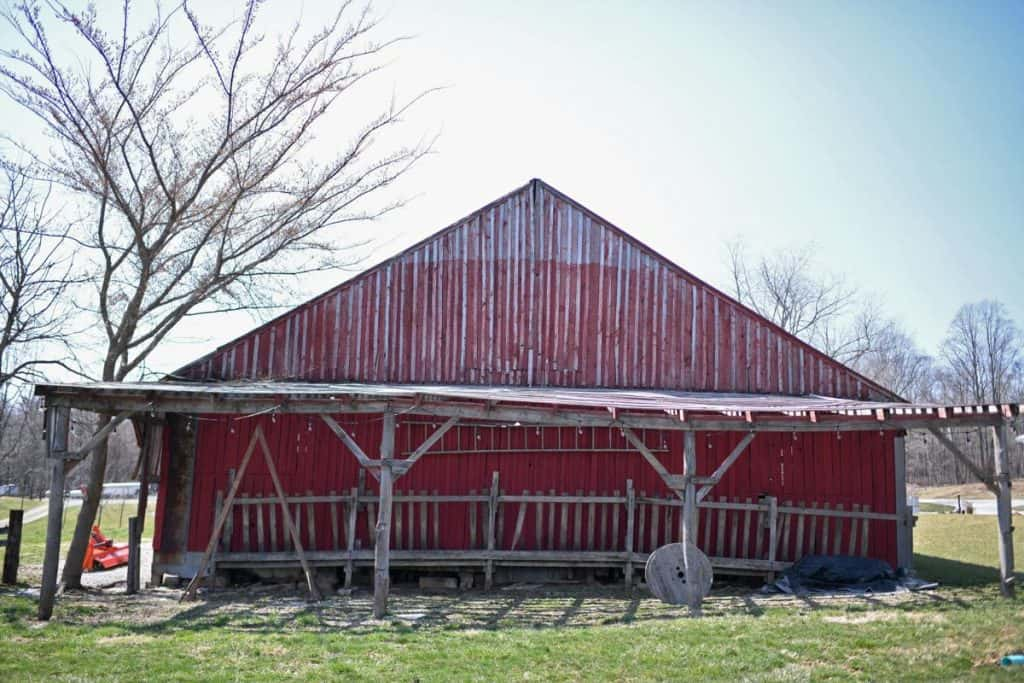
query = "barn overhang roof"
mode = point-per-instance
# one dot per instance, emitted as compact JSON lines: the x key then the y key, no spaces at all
{"x":643,"y":408}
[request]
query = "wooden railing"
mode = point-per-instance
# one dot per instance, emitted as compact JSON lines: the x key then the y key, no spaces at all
{"x":542,"y":528}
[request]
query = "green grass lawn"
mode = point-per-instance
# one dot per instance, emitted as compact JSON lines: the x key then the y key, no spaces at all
{"x":113,"y":523}
{"x":8,"y":503}
{"x":936,"y":508}
{"x":958,"y":631}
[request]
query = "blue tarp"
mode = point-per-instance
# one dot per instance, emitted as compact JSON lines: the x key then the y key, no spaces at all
{"x":816,"y":574}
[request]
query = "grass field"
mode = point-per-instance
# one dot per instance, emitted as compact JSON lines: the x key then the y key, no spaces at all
{"x":113,"y":523}
{"x":8,"y":503}
{"x":958,"y":631}
{"x":972,"y":490}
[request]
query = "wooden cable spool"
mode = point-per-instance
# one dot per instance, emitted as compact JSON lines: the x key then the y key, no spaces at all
{"x":666,"y":575}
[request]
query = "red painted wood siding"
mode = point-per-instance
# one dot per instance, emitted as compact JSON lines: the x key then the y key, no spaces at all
{"x":854,"y":468}
{"x":533,"y":290}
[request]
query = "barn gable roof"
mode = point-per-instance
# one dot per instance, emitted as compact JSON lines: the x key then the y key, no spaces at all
{"x":533,"y":289}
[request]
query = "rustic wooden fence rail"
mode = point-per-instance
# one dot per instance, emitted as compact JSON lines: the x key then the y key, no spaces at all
{"x":580,"y":529}
{"x":10,"y":541}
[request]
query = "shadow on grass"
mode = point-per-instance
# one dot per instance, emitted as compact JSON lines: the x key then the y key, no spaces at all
{"x":533,"y":607}
{"x":953,"y":572}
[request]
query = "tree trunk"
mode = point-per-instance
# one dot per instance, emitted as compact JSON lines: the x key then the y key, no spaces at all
{"x":72,"y":575}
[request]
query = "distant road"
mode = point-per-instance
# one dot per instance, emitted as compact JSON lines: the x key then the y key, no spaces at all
{"x":42,"y":509}
{"x":982,"y":506}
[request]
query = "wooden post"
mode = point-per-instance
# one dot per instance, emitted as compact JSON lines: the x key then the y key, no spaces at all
{"x":350,"y":535}
{"x":1004,"y":507}
{"x":904,"y":538}
{"x":57,"y":421}
{"x":693,"y":588}
{"x":12,"y":552}
{"x":134,"y":557}
{"x":382,"y":547}
{"x":492,"y":515}
{"x":773,"y":531}
{"x":151,"y":445}
{"x":630,"y":517}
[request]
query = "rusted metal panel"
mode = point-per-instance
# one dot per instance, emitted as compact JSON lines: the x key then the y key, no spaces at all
{"x":533,"y":290}
{"x":847,"y":469}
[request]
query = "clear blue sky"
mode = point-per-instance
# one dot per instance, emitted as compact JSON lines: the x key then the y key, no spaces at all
{"x":889,"y":133}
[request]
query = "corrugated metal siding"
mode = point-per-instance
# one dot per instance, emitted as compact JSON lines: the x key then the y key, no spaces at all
{"x":852,"y":468}
{"x":533,"y":290}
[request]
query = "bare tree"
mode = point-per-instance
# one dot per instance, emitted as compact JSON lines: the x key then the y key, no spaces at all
{"x":821,"y":308}
{"x":983,"y":353}
{"x":35,"y":275}
{"x":194,"y":148}
{"x":893,"y":359}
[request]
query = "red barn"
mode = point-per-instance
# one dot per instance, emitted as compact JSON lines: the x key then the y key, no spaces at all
{"x":561,"y":389}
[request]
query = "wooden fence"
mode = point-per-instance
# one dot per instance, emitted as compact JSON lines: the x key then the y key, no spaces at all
{"x":538,"y":528}
{"x":10,"y":541}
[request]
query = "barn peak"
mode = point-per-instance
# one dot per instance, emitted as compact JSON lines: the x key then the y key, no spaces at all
{"x":532,"y":289}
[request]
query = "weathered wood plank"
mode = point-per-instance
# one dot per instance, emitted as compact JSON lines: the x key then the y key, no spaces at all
{"x":538,"y":522}
{"x":591,"y":522}
{"x":630,"y":520}
{"x":520,"y":518}
{"x":799,"y":550}
{"x":746,"y":532}
{"x":244,"y":509}
{"x":864,"y":534}
{"x":334,"y":522}
{"x":853,"y":531}
{"x":812,"y":540}
{"x":838,"y":537}
{"x":311,"y":526}
{"x":720,"y":531}
{"x":423,"y":522}
{"x":472,"y":523}
{"x":260,"y":540}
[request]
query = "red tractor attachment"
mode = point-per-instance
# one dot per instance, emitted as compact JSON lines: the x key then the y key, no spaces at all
{"x":103,"y":553}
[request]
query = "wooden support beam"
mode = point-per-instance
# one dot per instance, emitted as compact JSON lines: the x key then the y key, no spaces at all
{"x":403,"y":466}
{"x":258,"y":439}
{"x":555,"y":416}
{"x":693,"y":589}
{"x":222,"y":516}
{"x":492,"y":516}
{"x":382,"y":547}
{"x":57,"y":420}
{"x":285,"y":513}
{"x":152,"y":442}
{"x":1004,"y":508}
{"x":717,"y":475}
{"x":904,"y":531}
{"x":353,"y":447}
{"x":967,"y":462}
{"x":671,"y":481}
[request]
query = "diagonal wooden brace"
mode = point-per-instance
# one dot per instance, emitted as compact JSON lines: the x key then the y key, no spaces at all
{"x":982,"y":476}
{"x":400,"y":467}
{"x":672,"y":481}
{"x":717,"y":475}
{"x":372,"y":465}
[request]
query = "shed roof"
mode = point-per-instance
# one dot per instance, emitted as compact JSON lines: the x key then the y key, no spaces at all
{"x":551,"y":405}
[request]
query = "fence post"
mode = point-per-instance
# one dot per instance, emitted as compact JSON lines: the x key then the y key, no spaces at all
{"x":492,"y":515}
{"x":773,"y":530}
{"x":13,"y":551}
{"x":134,"y":558}
{"x":630,"y":515}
